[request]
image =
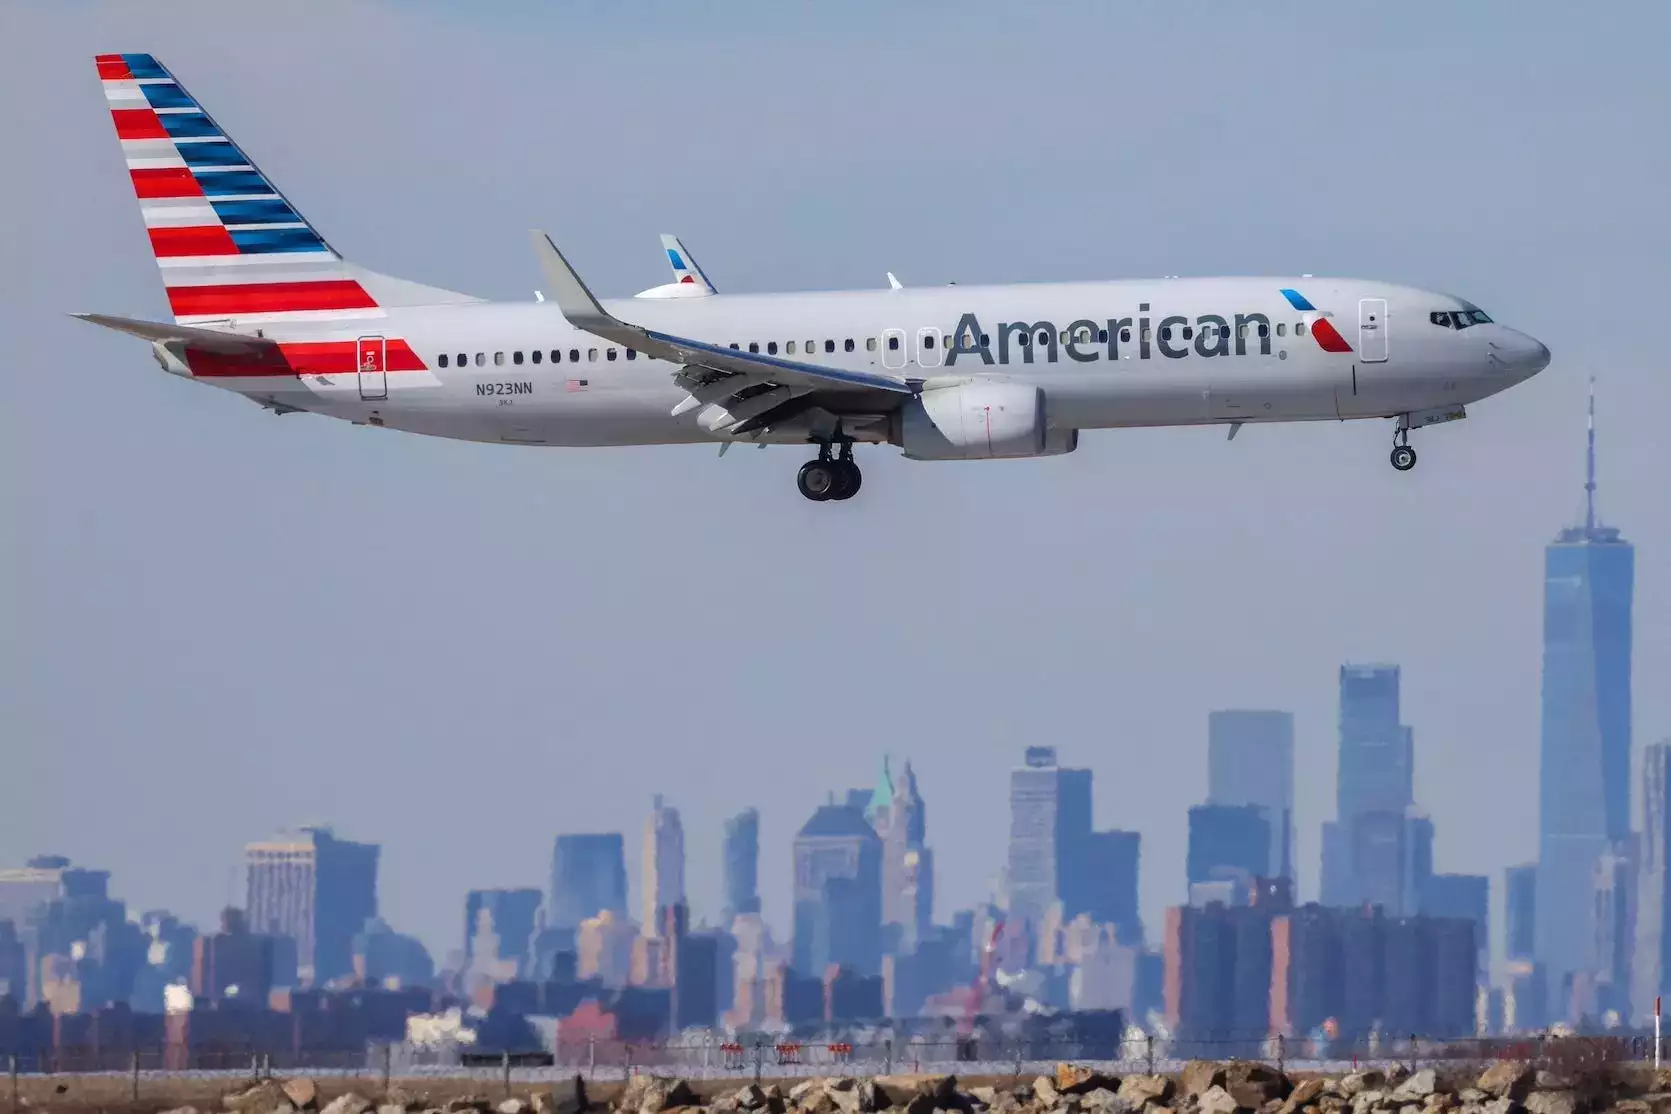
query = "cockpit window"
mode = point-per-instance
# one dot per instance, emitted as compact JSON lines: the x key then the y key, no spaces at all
{"x":1458,"y":318}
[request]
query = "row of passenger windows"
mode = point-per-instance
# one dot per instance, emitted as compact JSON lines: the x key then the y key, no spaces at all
{"x":534,"y":357}
{"x":791,"y":348}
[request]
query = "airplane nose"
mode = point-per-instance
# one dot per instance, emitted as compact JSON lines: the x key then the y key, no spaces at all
{"x":1520,"y":354}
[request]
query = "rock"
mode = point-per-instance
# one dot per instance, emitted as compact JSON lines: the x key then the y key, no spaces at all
{"x":653,"y":1094}
{"x":1200,"y":1076}
{"x":396,"y":1108}
{"x":1141,"y":1090}
{"x":182,"y":1110}
{"x":567,"y":1096}
{"x":1501,"y":1106}
{"x":1552,"y":1102}
{"x":302,"y":1093}
{"x":1632,"y":1106}
{"x":512,"y":1106}
{"x":1418,"y":1086}
{"x":986,"y":1096}
{"x":465,"y":1104}
{"x":1102,"y":1100}
{"x":1216,"y":1100}
{"x":751,"y":1097}
{"x":1359,"y":1081}
{"x":1471,"y":1095}
{"x":1253,"y":1084}
{"x":1365,"y":1101}
{"x":348,"y":1104}
{"x":1072,"y":1079}
{"x":1304,"y":1094}
{"x":1045,"y":1095}
{"x":1274,"y":1106}
{"x":1554,"y":1081}
{"x":259,"y":1099}
{"x":1509,"y":1079}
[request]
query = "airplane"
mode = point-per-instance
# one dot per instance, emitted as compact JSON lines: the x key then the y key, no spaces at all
{"x":265,"y":307}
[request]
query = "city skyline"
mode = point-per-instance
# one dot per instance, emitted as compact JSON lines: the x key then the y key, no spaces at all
{"x":1165,"y":574}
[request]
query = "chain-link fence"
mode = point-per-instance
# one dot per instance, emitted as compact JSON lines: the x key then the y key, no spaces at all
{"x":380,"y":1066}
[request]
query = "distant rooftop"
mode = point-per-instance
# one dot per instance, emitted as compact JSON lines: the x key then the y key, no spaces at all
{"x":836,"y":821}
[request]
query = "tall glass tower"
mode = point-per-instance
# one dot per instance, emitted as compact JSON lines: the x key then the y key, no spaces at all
{"x":1584,"y":759}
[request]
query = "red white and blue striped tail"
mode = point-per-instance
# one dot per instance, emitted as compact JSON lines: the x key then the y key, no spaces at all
{"x":231,"y":248}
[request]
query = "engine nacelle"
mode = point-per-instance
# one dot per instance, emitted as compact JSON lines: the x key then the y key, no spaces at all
{"x":979,"y":420}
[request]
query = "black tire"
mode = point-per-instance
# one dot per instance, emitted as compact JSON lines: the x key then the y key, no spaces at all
{"x":818,"y":480}
{"x":848,"y":479}
{"x":1403,"y":457}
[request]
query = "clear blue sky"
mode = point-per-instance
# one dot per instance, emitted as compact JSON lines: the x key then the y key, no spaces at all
{"x":220,"y":622}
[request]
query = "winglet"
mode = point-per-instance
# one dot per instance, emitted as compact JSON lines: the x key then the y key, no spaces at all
{"x":893,"y":283}
{"x":573,"y":298}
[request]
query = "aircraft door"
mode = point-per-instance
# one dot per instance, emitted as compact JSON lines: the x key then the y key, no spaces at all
{"x":1372,"y":330}
{"x":928,"y":347}
{"x":371,"y":360}
{"x":893,"y":348}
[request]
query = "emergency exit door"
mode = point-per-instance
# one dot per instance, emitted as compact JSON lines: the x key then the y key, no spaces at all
{"x":371,"y":359}
{"x":1372,"y":330}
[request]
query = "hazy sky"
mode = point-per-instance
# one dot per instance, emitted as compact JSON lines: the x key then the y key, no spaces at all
{"x":220,"y":622}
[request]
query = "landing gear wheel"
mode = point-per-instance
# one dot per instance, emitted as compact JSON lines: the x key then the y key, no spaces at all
{"x":849,"y":478}
{"x":819,"y":479}
{"x":1403,"y":457}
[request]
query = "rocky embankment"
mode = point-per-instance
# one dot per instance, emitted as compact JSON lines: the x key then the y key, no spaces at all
{"x":1201,"y":1088}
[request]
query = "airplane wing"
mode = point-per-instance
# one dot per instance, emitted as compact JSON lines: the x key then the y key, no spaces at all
{"x":209,"y":340}
{"x":685,"y":267}
{"x":746,"y":386}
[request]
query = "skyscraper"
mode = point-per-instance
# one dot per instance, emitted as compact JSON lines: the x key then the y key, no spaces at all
{"x":1365,"y":850}
{"x":503,"y":921}
{"x":664,"y":864}
{"x":1250,"y":761}
{"x":1652,"y":961}
{"x":1050,"y":820}
{"x":1520,"y":904}
{"x":838,"y":892}
{"x":1228,"y":841}
{"x":1584,"y":758}
{"x":742,"y":866}
{"x":317,"y":890}
{"x":588,"y":877}
{"x":900,"y":819}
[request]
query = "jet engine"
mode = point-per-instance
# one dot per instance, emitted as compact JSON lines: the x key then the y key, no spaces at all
{"x":979,"y":420}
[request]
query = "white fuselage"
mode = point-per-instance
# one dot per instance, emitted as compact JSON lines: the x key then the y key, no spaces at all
{"x":1105,"y":354}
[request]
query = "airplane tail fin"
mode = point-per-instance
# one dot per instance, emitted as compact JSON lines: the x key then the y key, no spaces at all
{"x":229,"y":245}
{"x":685,"y":267}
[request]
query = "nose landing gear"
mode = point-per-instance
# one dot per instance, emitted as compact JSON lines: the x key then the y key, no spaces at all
{"x":1403,"y":456}
{"x":828,"y":478}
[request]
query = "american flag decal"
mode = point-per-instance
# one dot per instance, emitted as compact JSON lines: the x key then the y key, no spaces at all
{"x":577,"y":384}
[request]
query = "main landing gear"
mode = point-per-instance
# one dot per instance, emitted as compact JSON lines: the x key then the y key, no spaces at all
{"x":1403,"y":456}
{"x":830,"y":478}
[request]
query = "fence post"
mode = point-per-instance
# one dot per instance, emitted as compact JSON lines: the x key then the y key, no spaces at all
{"x":888,"y":1056}
{"x":388,"y":1057}
{"x":707,"y":1048}
{"x":14,"y":1083}
{"x":626,"y":1062}
{"x":1280,"y":1049}
{"x":759,"y":1056}
{"x":1149,"y":1051}
{"x":135,"y":1064}
{"x":505,"y":1059}
{"x":591,"y":1057}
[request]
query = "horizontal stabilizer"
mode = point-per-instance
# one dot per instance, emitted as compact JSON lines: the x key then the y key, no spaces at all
{"x":209,"y":340}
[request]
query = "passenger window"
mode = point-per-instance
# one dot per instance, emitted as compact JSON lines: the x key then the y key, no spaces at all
{"x":481,"y":359}
{"x":1264,"y":330}
{"x":754,"y":346}
{"x":870,"y":344}
{"x":1025,"y":339}
{"x":849,"y":344}
{"x":610,"y":353}
{"x":592,"y":355}
{"x":1102,"y":336}
{"x":574,"y":355}
{"x":443,"y":359}
{"x":556,"y":355}
{"x":1166,"y":332}
{"x":1281,"y":328}
{"x":1189,"y":332}
{"x":463,"y":359}
{"x":534,"y":355}
{"x":811,"y":347}
{"x":789,"y":348}
{"x":1241,"y":332}
{"x":1299,"y":328}
{"x":1125,"y":336}
{"x":734,"y":345}
{"x":829,"y":346}
{"x":516,"y":357}
{"x":632,"y":354}
{"x":498,"y":359}
{"x":986,"y":340}
{"x":946,"y":341}
{"x":771,"y":348}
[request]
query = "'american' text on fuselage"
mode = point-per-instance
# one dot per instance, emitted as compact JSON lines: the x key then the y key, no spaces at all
{"x":1086,"y":341}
